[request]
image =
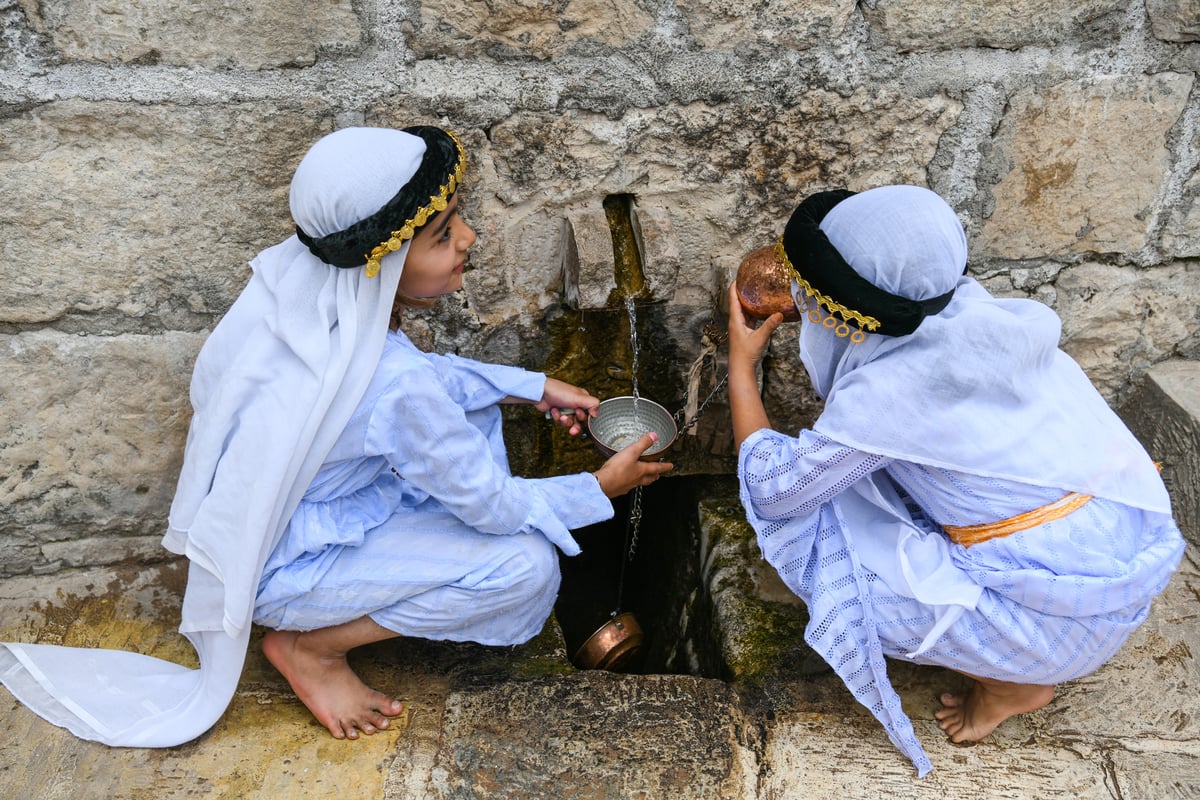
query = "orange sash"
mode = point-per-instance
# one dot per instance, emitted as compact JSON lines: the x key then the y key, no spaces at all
{"x":974,"y":534}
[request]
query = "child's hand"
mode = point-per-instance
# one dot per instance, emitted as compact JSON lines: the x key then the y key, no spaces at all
{"x":567,"y":405}
{"x":624,"y":471}
{"x":747,"y":343}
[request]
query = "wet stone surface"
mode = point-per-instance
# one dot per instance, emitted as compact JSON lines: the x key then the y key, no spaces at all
{"x":761,"y":719}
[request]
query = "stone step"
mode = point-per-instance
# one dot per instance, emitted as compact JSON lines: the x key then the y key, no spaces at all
{"x":1163,"y":411}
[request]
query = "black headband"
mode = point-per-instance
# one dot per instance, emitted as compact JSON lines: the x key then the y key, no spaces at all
{"x":826,"y":277}
{"x":417,"y":202}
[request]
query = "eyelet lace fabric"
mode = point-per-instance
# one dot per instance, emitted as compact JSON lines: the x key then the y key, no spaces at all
{"x":799,"y":531}
{"x":1042,"y":606}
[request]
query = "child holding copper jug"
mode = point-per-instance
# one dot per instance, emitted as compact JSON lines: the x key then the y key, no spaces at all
{"x":966,"y":498}
{"x":340,"y":486}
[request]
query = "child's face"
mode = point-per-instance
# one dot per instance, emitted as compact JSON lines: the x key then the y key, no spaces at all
{"x":437,"y":255}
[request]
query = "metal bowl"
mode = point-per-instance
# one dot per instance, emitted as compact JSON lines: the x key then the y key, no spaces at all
{"x":613,"y":646}
{"x":621,"y":421}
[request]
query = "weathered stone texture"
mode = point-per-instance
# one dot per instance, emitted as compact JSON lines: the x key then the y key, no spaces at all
{"x":92,"y":438}
{"x":591,"y":734}
{"x":1117,"y":322}
{"x":1180,"y":236}
{"x":706,"y":180}
{"x":102,"y":550}
{"x":919,"y":25}
{"x":587,"y":256}
{"x":1164,"y":413}
{"x":826,"y":140}
{"x":757,"y":621}
{"x":254,"y":34}
{"x":1157,"y":661}
{"x":801,"y":740}
{"x":16,"y":37}
{"x":726,"y":25}
{"x":1080,"y":165}
{"x":527,"y":28}
{"x":755,"y":154}
{"x":1175,"y":20}
{"x":141,"y":210}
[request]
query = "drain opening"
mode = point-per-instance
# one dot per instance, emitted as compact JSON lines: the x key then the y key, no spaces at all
{"x":661,"y":586}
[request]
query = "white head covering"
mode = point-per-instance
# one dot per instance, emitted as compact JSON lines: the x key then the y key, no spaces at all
{"x":273,"y":387}
{"x":285,"y":369}
{"x":925,"y":261}
{"x":980,"y":387}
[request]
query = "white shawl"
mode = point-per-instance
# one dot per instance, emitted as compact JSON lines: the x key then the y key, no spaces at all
{"x":980,"y":387}
{"x":273,"y":387}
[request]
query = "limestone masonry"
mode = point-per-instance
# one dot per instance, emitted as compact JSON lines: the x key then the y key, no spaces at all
{"x":146,"y":148}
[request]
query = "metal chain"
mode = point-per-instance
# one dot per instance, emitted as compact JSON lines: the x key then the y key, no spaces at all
{"x":716,"y":337}
{"x":635,"y":520}
{"x":632,"y":524}
{"x":684,"y":426}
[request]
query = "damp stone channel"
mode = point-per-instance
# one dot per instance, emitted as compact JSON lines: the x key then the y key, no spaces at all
{"x":677,"y":555}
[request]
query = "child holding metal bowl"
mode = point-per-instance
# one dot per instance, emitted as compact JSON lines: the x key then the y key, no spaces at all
{"x":340,"y":486}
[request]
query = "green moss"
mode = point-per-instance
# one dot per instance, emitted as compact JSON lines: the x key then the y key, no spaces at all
{"x":542,"y":656}
{"x":757,"y":638}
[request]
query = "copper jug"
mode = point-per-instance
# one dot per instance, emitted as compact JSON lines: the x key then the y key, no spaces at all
{"x":764,"y":286}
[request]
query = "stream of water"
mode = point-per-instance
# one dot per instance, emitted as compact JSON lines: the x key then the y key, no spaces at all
{"x":631,"y":307}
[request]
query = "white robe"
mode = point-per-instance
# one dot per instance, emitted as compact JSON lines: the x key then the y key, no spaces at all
{"x":415,"y":513}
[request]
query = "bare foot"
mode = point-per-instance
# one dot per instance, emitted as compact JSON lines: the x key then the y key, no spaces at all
{"x":988,"y":703}
{"x":324,"y":681}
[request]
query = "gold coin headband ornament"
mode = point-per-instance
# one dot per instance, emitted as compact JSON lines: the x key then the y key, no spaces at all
{"x":420,"y":199}
{"x":852,"y":305}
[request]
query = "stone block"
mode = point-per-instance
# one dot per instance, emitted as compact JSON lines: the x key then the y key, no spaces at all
{"x":93,"y":435}
{"x":105,"y":550}
{"x":526,"y":28}
{"x":17,"y":41}
{"x":758,"y":622}
{"x":1164,"y":413}
{"x":588,"y":270}
{"x":1155,"y":671}
{"x":1180,"y":236}
{"x":1079,"y":166}
{"x":252,"y":34}
{"x":710,"y":183}
{"x":1175,"y":20}
{"x":141,"y":211}
{"x":590,"y":734}
{"x":659,"y":249}
{"x":589,"y":277}
{"x":1010,"y":24}
{"x":726,"y":25}
{"x":1118,"y":321}
{"x":800,"y":741}
{"x":823,"y":140}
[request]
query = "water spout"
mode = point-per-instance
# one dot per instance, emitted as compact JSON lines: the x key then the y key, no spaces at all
{"x":628,"y":269}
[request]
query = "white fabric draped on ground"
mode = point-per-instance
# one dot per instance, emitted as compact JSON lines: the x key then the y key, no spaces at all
{"x":272,"y":389}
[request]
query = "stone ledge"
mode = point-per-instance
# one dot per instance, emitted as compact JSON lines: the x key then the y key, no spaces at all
{"x":1164,"y":414}
{"x":504,"y":722}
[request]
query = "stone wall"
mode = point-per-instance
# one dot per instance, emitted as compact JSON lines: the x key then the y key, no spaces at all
{"x":146,"y":148}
